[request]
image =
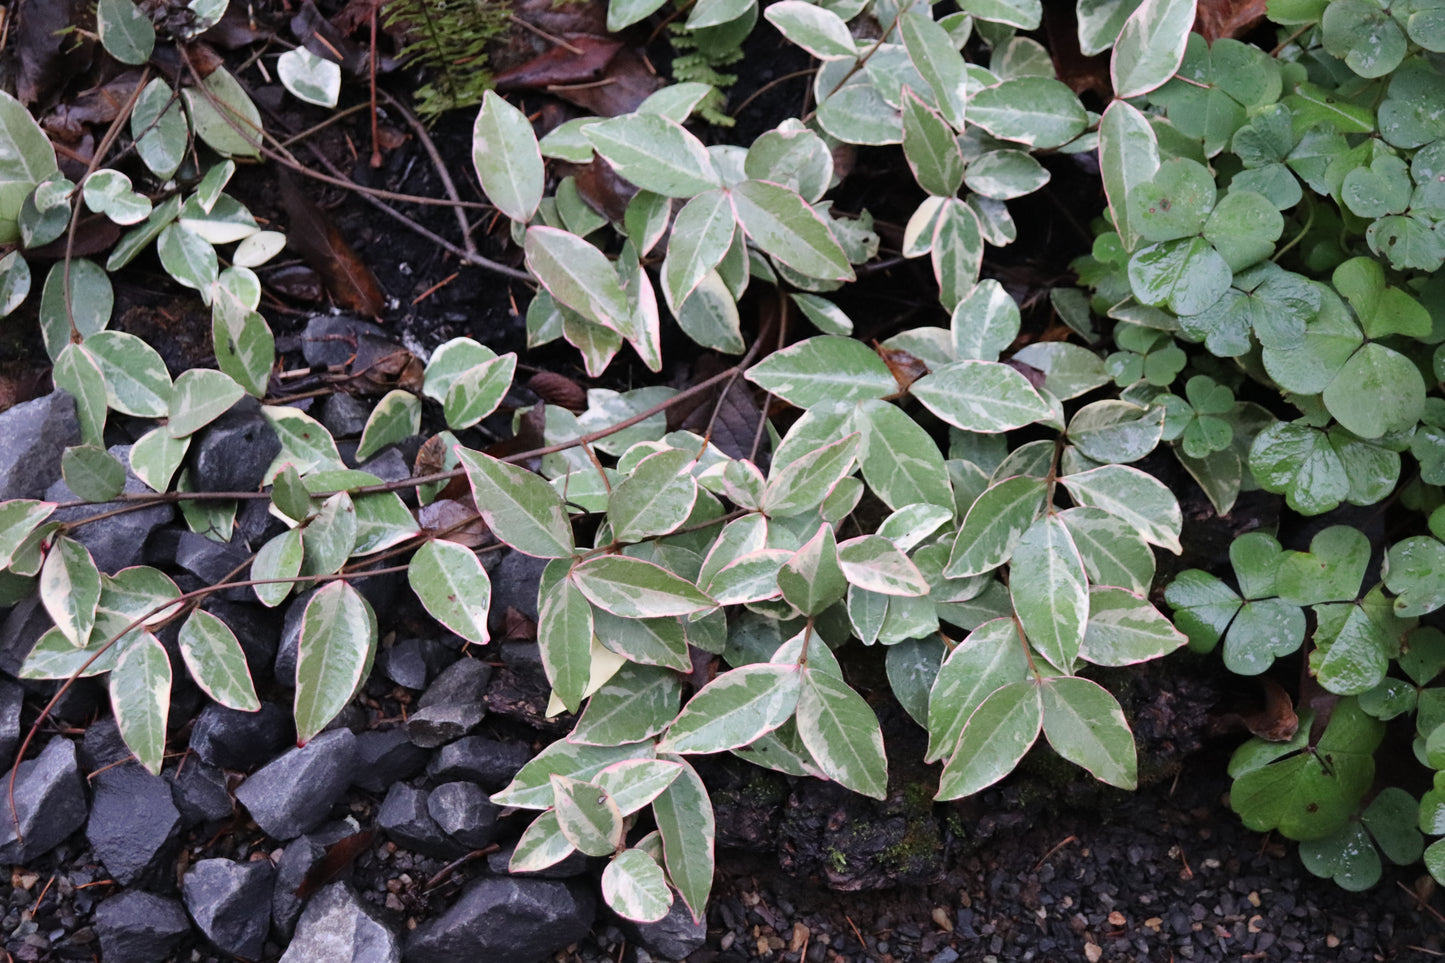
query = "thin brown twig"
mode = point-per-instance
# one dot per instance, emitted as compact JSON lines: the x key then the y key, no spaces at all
{"x":443,"y":174}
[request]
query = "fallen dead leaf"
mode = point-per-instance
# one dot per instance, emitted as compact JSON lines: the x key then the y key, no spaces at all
{"x":317,"y":240}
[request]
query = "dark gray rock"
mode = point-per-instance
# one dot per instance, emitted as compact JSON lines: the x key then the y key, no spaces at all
{"x":288,"y":649}
{"x":295,"y":793}
{"x":232,"y":739}
{"x":404,"y":817}
{"x":300,"y":856}
{"x":50,"y":801}
{"x":673,"y":937}
{"x":483,"y":760}
{"x":464,"y":813}
{"x":119,"y":541}
{"x":200,"y":793}
{"x":12,"y":697}
{"x":390,"y":465}
{"x":514,"y":585}
{"x":206,"y":559}
{"x":462,"y":683}
{"x":231,"y":903}
{"x":334,"y":339}
{"x":33,"y":435}
{"x":413,"y":662}
{"x":256,"y":523}
{"x":518,"y":920}
{"x":21,"y":629}
{"x":343,"y":415}
{"x":386,"y":756}
{"x":231,"y":454}
{"x":337,"y":928}
{"x":438,"y":725}
{"x":139,"y":927}
{"x":133,"y":823}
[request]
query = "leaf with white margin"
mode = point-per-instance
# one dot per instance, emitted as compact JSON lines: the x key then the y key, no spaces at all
{"x":280,"y":558}
{"x":685,"y":819}
{"x":824,"y":368}
{"x":78,"y":375}
{"x":982,"y":396}
{"x":656,"y":497}
{"x":136,"y":380}
{"x":578,"y":276}
{"x":735,"y":708}
{"x":994,"y":525}
{"x":140,"y":696}
{"x":786,"y":227}
{"x":1128,"y":156}
{"x":70,"y":589}
{"x":633,"y":783}
{"x":155,"y":456}
{"x":655,"y":153}
{"x":531,"y":787}
{"x":382,"y":521}
{"x":540,"y":846}
{"x":335,"y":653}
{"x":802,"y":483}
{"x":993,"y":740}
{"x":875,"y":563}
{"x":636,"y":589}
{"x":126,"y":33}
{"x":450,"y":361}
{"x":313,"y":79}
{"x":751,"y":577}
{"x":701,"y":236}
{"x":1125,"y":629}
{"x":199,"y":397}
{"x":587,"y":816}
{"x":934,"y":55}
{"x":1050,"y":591}
{"x":453,"y":586}
{"x":519,"y":507}
{"x":396,"y":417}
{"x":990,"y":657}
{"x":1085,"y":725}
{"x":900,"y":460}
{"x":817,"y":30}
{"x":635,"y":887}
{"x":842,"y":734}
{"x":18,"y":518}
{"x":217,"y":662}
{"x":256,"y":249}
{"x":1138,"y":498}
{"x":29,"y":160}
{"x":53,"y":657}
{"x":1151,"y":46}
{"x":507,"y":159}
{"x":564,"y":636}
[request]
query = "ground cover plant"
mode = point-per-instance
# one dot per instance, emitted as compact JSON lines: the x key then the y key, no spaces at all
{"x":1262,"y":300}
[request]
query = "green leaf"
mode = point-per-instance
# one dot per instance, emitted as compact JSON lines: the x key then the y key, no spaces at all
{"x":1085,"y":725}
{"x":313,"y":79}
{"x":579,"y":276}
{"x":624,"y":13}
{"x":635,"y":887}
{"x":1114,"y":553}
{"x":77,"y":374}
{"x":70,"y":588}
{"x":1377,"y":391}
{"x":1124,"y":629}
{"x":90,"y":298}
{"x":140,"y":695}
{"x":655,"y":153}
{"x":1150,"y":46}
{"x":1138,"y":498}
{"x":223,"y":116}
{"x":30,"y":160}
{"x":1365,"y":36}
{"x":92,"y":473}
{"x":1038,"y":111}
{"x":929,"y":145}
{"x":453,"y":586}
{"x":519,"y":507}
{"x":1354,"y":643}
{"x":990,"y":657}
{"x":1175,"y":203}
{"x":735,"y":709}
{"x":993,"y":740}
{"x":337,"y":646}
{"x":842,"y":734}
{"x":684,"y":817}
{"x":937,"y":59}
{"x":784,"y":226}
{"x":824,"y":368}
{"x":656,"y":497}
{"x":633,"y":588}
{"x":587,"y":816}
{"x":1331,"y":571}
{"x":984,"y":323}
{"x":812,"y":578}
{"x":1264,"y":630}
{"x":216,"y":661}
{"x":981,"y":396}
{"x":1187,"y":274}
{"x":751,"y":577}
{"x":900,"y":462}
{"x":994,"y":525}
{"x":396,"y":417}
{"x":1050,"y":590}
{"x":564,"y":634}
{"x":155,"y":456}
{"x":1347,"y":856}
{"x":14,"y":282}
{"x":635,"y":704}
{"x":200,"y":397}
{"x":701,"y":236}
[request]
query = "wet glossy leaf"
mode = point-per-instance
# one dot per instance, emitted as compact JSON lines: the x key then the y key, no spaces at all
{"x":635,"y":704}
{"x":1128,"y":157}
{"x":313,"y":79}
{"x":1187,"y":274}
{"x":984,"y":322}
{"x":1264,"y":630}
{"x":930,"y":147}
{"x":900,"y":462}
{"x":1114,"y":553}
{"x":30,"y":161}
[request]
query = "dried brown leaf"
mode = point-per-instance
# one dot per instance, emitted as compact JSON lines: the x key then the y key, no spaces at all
{"x":317,"y":240}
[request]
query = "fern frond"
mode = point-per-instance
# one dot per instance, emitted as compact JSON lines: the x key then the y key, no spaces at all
{"x":448,"y":40}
